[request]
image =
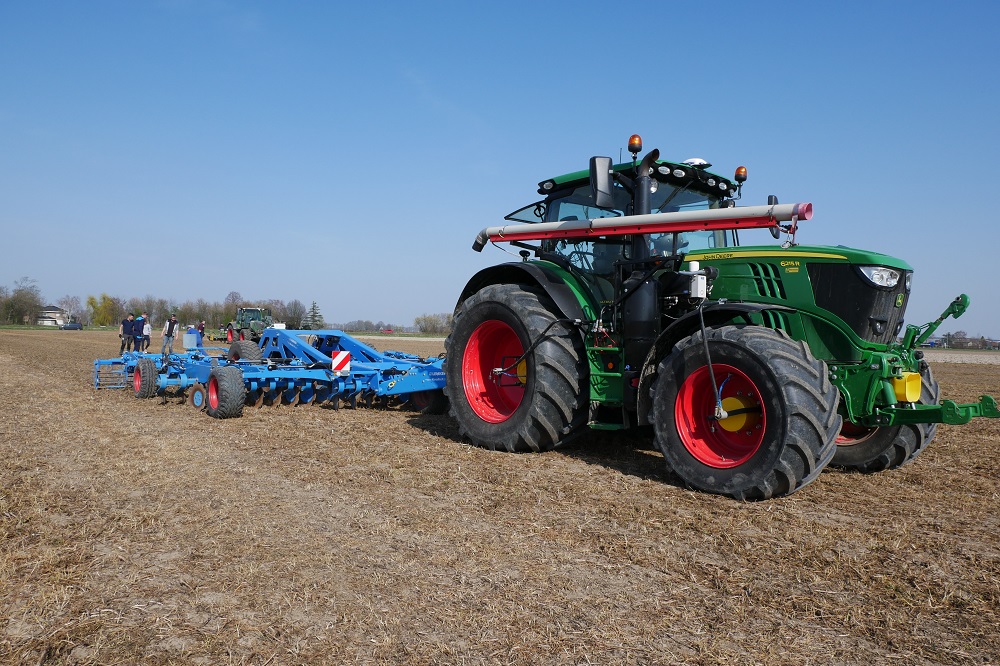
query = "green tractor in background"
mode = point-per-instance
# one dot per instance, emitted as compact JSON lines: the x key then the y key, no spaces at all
{"x":633,"y":306}
{"x":250,"y":324}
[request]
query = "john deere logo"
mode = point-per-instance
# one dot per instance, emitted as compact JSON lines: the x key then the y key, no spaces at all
{"x":899,"y":300}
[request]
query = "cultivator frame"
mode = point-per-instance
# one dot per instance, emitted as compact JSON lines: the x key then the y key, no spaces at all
{"x":288,"y":367}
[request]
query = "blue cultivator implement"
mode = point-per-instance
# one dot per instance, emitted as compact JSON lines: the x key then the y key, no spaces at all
{"x":326,"y":367}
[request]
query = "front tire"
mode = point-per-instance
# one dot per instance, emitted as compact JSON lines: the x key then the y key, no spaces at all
{"x":538,"y":400}
{"x":782,"y":420}
{"x":876,"y":449}
{"x":226,"y":392}
{"x":144,"y":378}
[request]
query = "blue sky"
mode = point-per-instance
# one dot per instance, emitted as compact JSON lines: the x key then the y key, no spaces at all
{"x":348,"y":153}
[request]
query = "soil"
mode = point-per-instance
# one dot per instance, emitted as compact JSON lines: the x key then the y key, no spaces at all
{"x":137,"y":531}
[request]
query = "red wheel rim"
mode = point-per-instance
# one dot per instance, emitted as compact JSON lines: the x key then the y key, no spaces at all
{"x":420,"y":399}
{"x":852,"y":433}
{"x":492,"y":345}
{"x":213,"y":392}
{"x":229,"y":335}
{"x":137,"y":380}
{"x":732,"y":441}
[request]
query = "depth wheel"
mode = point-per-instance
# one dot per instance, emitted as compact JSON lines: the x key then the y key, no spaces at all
{"x":500,"y":400}
{"x":197,"y":396}
{"x":781,"y":419}
{"x":877,"y":449}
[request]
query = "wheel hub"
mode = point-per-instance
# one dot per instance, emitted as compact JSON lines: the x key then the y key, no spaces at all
{"x":494,"y":396}
{"x":728,"y":442}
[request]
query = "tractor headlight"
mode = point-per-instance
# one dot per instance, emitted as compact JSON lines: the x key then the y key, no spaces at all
{"x":880,"y":276}
{"x":909,"y":281}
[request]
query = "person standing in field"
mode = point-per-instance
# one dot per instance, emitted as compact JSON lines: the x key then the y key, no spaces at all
{"x":137,"y":327}
{"x":169,"y":332}
{"x":147,"y":331}
{"x":126,"y":332}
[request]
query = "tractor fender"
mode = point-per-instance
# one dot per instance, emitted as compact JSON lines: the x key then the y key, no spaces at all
{"x":554,"y":285}
{"x":715,"y":314}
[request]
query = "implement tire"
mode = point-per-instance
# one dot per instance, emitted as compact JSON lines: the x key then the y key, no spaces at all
{"x":244,"y":350}
{"x":144,"y":378}
{"x":876,"y":449}
{"x":536,"y":404}
{"x":782,"y":425}
{"x":432,"y":402}
{"x":226,"y":392}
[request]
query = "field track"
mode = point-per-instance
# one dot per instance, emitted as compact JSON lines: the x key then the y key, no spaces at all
{"x":136,"y":532}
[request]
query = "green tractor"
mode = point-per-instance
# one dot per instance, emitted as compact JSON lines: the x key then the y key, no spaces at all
{"x":634,"y":306}
{"x":249,"y":324}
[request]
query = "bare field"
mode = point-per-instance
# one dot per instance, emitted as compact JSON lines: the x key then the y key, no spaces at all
{"x":140,"y":532}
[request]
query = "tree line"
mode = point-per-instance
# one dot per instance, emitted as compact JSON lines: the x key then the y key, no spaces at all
{"x":22,"y":304}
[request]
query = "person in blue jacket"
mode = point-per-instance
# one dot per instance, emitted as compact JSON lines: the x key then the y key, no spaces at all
{"x":137,"y":332}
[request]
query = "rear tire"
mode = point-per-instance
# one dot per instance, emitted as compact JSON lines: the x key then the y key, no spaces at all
{"x":144,"y":378}
{"x":783,"y":422}
{"x":533,"y":406}
{"x":226,"y":392}
{"x":876,"y":449}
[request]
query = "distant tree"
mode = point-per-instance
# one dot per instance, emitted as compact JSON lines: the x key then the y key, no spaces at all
{"x":313,"y":318}
{"x":106,"y":310}
{"x":72,"y":306}
{"x":295,"y":312}
{"x":438,"y":324}
{"x":24,"y":302}
{"x":360,"y":326}
{"x":232,"y":301}
{"x":187,"y":313}
{"x":277,"y":307}
{"x":158,"y":309}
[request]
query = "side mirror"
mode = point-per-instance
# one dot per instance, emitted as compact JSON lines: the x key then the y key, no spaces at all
{"x":600,"y":182}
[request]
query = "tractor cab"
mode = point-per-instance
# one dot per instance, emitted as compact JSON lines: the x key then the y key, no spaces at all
{"x":606,"y":262}
{"x":675,"y":187}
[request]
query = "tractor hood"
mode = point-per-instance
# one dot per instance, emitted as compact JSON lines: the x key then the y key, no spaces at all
{"x":807,"y":253}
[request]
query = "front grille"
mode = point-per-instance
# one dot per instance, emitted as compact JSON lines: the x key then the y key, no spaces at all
{"x":874,"y":313}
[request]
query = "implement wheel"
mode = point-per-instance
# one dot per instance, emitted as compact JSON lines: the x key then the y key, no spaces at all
{"x":877,"y":449}
{"x":429,"y":402}
{"x":144,"y":378}
{"x":226,"y":392}
{"x":197,"y":396}
{"x":244,"y":350}
{"x":781,"y":425}
{"x":535,"y":402}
